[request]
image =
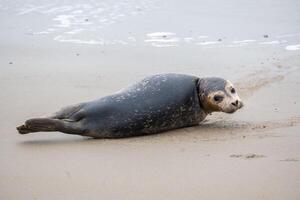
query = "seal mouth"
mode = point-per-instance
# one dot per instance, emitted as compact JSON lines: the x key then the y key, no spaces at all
{"x":233,"y":109}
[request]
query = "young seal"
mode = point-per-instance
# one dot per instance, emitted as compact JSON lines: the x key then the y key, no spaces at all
{"x":157,"y":103}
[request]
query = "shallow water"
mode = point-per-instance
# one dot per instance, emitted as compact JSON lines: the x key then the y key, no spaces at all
{"x":171,"y":23}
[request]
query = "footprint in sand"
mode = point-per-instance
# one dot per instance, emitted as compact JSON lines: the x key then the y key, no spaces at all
{"x":247,"y":156}
{"x":290,"y":160}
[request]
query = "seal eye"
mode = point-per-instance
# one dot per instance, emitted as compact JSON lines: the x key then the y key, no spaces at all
{"x":218,"y":98}
{"x":232,"y":90}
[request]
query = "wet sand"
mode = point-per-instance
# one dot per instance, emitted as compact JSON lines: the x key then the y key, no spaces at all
{"x":251,"y":154}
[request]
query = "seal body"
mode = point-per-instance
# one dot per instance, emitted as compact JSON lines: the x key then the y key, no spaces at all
{"x":155,"y":104}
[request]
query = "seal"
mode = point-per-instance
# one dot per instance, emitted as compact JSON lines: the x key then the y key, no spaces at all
{"x":156,"y":104}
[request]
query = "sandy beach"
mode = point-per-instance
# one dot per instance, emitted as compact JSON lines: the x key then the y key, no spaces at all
{"x":57,"y":53}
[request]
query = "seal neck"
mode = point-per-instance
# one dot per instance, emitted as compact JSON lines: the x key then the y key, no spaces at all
{"x":201,"y":96}
{"x":203,"y":92}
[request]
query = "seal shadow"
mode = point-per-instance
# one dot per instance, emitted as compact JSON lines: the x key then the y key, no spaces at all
{"x":55,"y":141}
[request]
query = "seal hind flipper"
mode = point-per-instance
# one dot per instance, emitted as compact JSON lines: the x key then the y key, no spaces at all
{"x":37,"y":124}
{"x":69,"y":113}
{"x":48,"y":124}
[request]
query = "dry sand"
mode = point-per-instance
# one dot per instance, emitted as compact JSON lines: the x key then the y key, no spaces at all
{"x":252,"y":154}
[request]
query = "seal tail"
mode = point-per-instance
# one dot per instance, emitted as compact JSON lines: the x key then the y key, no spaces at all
{"x":47,"y":125}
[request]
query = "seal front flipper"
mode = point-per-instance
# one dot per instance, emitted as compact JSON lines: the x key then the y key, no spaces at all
{"x":48,"y":124}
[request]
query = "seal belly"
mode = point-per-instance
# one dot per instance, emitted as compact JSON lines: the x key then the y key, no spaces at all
{"x":155,"y":104}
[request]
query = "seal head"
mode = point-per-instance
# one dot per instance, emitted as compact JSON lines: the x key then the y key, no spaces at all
{"x":217,"y":94}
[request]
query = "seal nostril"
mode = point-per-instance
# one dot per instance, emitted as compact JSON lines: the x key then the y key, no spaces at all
{"x":236,"y":103}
